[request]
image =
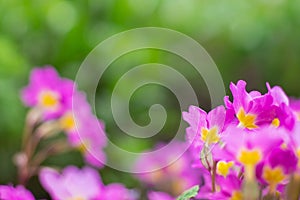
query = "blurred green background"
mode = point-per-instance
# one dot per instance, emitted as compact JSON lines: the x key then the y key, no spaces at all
{"x":257,"y":41}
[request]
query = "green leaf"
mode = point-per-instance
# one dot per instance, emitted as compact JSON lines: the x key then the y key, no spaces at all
{"x":192,"y":192}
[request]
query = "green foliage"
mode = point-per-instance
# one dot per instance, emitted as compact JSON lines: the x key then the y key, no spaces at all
{"x":192,"y":192}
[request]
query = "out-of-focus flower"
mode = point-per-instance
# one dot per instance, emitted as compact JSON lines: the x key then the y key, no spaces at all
{"x":15,"y":193}
{"x":75,"y":184}
{"x":84,"y":131}
{"x":72,"y":183}
{"x":174,"y":178}
{"x":159,"y":196}
{"x":276,"y":168}
{"x":249,"y":149}
{"x":117,"y":191}
{"x":48,"y":92}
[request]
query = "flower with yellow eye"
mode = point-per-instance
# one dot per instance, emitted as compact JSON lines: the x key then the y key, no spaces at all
{"x":251,"y":109}
{"x":276,"y":168}
{"x":83,"y":130}
{"x":48,"y":92}
{"x":249,"y":149}
{"x":204,"y":128}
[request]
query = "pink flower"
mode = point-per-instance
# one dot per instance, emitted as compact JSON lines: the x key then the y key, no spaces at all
{"x":284,"y":113}
{"x":257,"y":144}
{"x":248,"y":149}
{"x":204,"y":128}
{"x":117,"y":191}
{"x":295,"y":106}
{"x":48,"y":92}
{"x":251,"y":109}
{"x":8,"y":192}
{"x":72,"y":183}
{"x":159,"y":196}
{"x":84,"y":131}
{"x":276,"y":168}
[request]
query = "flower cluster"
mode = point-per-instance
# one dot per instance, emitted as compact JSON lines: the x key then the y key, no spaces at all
{"x":247,"y":149}
{"x":56,"y":106}
{"x":250,"y":147}
{"x":56,"y":102}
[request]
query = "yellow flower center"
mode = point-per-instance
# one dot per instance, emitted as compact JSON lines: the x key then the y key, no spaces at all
{"x":236,"y":195}
{"x":49,"y":100}
{"x":276,"y":122}
{"x":210,"y":136}
{"x":224,"y":167}
{"x":246,"y":120}
{"x":249,"y":157}
{"x":273,"y":177}
{"x":67,"y":122}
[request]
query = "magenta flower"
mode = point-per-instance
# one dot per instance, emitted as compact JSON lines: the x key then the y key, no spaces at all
{"x":159,"y":196}
{"x":72,"y":183}
{"x":204,"y":128}
{"x":295,"y":106}
{"x":251,"y":109}
{"x":84,"y":131}
{"x":249,"y":149}
{"x":256,"y":146}
{"x":292,"y":141}
{"x":277,"y":167}
{"x":8,"y":192}
{"x":284,"y":113}
{"x":117,"y":191}
{"x":48,"y":92}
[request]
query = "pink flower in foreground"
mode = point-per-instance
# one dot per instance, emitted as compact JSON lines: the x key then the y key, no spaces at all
{"x":48,"y":92}
{"x":8,"y":192}
{"x":74,"y":183}
{"x":159,"y":196}
{"x":117,"y":191}
{"x":276,"y":169}
{"x":84,"y":131}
